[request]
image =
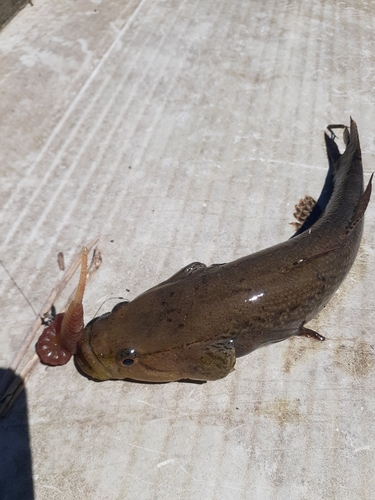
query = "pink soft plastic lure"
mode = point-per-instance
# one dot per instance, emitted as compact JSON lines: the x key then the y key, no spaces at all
{"x":59,"y":340}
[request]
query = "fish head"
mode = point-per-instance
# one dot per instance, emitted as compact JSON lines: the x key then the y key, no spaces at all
{"x":135,"y":342}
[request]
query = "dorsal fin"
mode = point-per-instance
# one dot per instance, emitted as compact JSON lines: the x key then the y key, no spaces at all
{"x":360,"y":210}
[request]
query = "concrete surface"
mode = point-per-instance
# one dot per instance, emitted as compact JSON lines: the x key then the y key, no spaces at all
{"x":181,"y":131}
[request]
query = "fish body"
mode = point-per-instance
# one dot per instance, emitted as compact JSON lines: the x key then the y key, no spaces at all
{"x":195,"y":324}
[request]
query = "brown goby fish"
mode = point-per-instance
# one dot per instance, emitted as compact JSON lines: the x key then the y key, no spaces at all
{"x":195,"y":324}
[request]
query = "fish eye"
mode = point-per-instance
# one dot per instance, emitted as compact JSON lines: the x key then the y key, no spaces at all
{"x":127,"y":357}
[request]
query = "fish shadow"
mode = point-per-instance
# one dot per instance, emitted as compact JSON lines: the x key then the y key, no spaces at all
{"x":16,"y":480}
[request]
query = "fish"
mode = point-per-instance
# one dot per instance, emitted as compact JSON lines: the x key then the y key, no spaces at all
{"x":194,"y":325}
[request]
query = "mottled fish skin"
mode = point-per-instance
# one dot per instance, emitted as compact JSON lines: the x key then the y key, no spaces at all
{"x":195,"y":324}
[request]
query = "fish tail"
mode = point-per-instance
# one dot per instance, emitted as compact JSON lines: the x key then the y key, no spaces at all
{"x":345,"y":168}
{"x":351,"y":158}
{"x":353,"y":139}
{"x":333,"y":152}
{"x":352,"y":151}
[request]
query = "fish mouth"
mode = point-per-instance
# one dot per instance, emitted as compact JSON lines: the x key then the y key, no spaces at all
{"x":87,"y":362}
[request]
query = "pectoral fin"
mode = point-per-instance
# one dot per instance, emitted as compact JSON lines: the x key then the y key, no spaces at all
{"x":209,"y":361}
{"x":306,"y":332}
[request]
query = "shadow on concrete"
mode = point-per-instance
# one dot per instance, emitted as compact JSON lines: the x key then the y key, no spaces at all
{"x":16,"y":481}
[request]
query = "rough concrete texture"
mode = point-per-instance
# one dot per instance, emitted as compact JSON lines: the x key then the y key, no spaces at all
{"x":179,"y":131}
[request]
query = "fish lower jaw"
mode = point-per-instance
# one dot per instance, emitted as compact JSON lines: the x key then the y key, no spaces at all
{"x":90,"y":366}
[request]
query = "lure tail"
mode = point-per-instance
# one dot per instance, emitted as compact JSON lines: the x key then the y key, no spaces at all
{"x":59,"y":340}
